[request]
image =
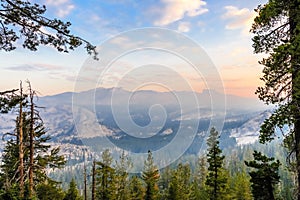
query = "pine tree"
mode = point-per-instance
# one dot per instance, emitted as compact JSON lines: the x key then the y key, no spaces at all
{"x":24,"y":21}
{"x":241,"y":186}
{"x":136,"y":189}
{"x":200,"y":171}
{"x":33,"y":116}
{"x":150,"y":175}
{"x":277,"y":33}
{"x":180,"y":187}
{"x":20,"y":143}
{"x":164,"y":182}
{"x":9,"y":99}
{"x":216,"y":179}
{"x":72,"y":193}
{"x":265,"y":177}
{"x":199,"y":190}
{"x":23,"y":163}
{"x":122,"y":179}
{"x":105,"y":177}
{"x":85,"y":182}
{"x":49,"y":191}
{"x":94,"y":180}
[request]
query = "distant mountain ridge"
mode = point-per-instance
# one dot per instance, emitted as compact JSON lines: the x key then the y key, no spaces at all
{"x":80,"y":123}
{"x":103,"y":96}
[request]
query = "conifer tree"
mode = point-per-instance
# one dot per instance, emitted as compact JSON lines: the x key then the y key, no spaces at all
{"x":216,"y":179}
{"x":180,"y":187}
{"x":277,"y":33}
{"x":49,"y":191}
{"x":94,"y":180}
{"x":150,"y":175}
{"x":105,"y":177}
{"x":265,"y":177}
{"x":164,"y":182}
{"x":21,"y":162}
{"x":199,"y":190}
{"x":122,"y":179}
{"x":26,"y":22}
{"x":20,"y":143}
{"x":9,"y":99}
{"x":136,"y":189}
{"x":241,"y":186}
{"x":85,"y":182}
{"x":72,"y":193}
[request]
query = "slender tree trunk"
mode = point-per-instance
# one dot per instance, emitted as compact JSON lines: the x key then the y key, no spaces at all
{"x":297,"y":136}
{"x":297,"y":141}
{"x":31,"y":140}
{"x":295,"y":62}
{"x":216,"y":179}
{"x":94,"y":180}
{"x":85,"y":184}
{"x":20,"y":138}
{"x":270,"y":190}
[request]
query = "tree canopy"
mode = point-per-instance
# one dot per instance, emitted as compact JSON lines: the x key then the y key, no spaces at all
{"x":25,"y":22}
{"x":265,"y":177}
{"x":277,"y":33}
{"x":150,"y":175}
{"x":216,"y":179}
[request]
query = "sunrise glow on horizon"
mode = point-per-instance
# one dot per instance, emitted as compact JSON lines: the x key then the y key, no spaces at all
{"x":221,"y":28}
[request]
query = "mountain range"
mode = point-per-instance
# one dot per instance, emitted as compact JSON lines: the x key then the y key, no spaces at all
{"x":144,"y":120}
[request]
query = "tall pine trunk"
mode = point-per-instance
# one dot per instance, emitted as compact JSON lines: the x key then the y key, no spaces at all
{"x":216,"y":176}
{"x":85,"y":183}
{"x":21,"y":148}
{"x":270,"y":190}
{"x":31,"y":141}
{"x":295,"y":62}
{"x":94,"y":180}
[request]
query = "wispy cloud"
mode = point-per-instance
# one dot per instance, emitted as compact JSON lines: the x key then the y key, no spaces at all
{"x":174,"y":10}
{"x":184,"y":27}
{"x":63,"y":7}
{"x":238,"y":18}
{"x":34,"y":67}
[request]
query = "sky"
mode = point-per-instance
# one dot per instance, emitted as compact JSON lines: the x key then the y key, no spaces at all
{"x":220,"y":28}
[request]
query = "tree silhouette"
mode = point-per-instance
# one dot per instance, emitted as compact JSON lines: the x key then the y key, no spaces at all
{"x":265,"y":177}
{"x":216,"y":180}
{"x":150,"y":176}
{"x":24,"y":21}
{"x":277,"y":33}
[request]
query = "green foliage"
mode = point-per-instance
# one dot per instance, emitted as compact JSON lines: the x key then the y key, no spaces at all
{"x":24,"y":21}
{"x":181,"y":181}
{"x":216,"y":179}
{"x":240,"y":184}
{"x":265,"y":177}
{"x":42,"y":160}
{"x":8,"y":100}
{"x":10,"y":193}
{"x":164,"y":182}
{"x":136,"y":189}
{"x":150,"y":176}
{"x":277,"y":32}
{"x":105,"y":177}
{"x":8,"y":167}
{"x":180,"y":187}
{"x":199,"y":190}
{"x":72,"y":193}
{"x":122,"y":179}
{"x":200,"y":171}
{"x":49,"y":191}
{"x":44,"y":157}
